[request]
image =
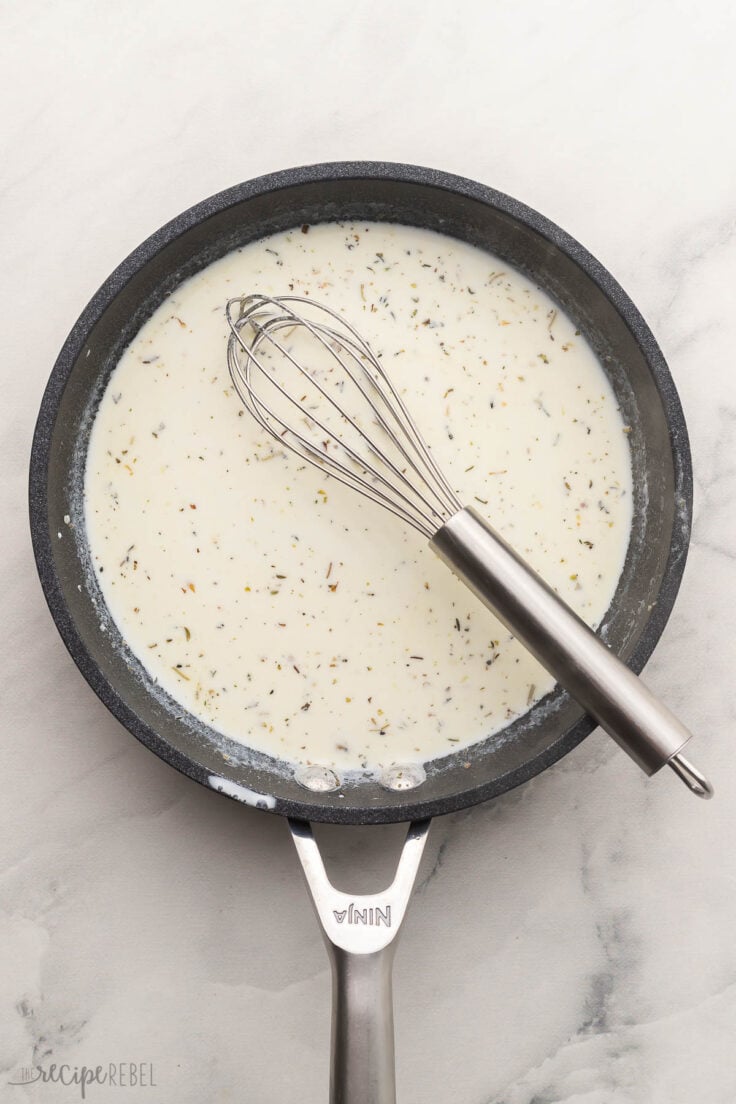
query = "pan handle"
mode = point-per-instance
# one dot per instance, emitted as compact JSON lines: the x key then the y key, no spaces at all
{"x":361,"y":933}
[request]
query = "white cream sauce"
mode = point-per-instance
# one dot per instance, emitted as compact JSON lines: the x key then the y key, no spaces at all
{"x":277,"y":605}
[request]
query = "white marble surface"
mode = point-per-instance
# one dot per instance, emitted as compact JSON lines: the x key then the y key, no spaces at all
{"x":572,"y":942}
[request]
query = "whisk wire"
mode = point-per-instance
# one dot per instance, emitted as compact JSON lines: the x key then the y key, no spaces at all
{"x":405,"y":420}
{"x":424,"y":498}
{"x":359,"y":354}
{"x":265,"y":409}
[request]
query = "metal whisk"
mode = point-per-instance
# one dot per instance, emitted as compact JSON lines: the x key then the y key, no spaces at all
{"x":333,"y":404}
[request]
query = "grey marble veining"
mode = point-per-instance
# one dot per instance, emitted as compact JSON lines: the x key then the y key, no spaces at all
{"x":571,"y":943}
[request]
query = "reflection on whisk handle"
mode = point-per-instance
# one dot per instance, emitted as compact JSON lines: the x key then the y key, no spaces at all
{"x":565,"y":645}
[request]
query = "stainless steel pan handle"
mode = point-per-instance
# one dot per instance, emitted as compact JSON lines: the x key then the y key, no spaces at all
{"x":361,"y":933}
{"x":579,"y":660}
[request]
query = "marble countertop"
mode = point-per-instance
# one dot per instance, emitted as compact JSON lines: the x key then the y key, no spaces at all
{"x":571,"y":942}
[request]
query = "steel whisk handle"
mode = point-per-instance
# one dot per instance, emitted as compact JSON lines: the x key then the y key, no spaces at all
{"x":613,"y":695}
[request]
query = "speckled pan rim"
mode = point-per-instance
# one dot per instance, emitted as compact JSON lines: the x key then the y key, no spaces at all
{"x":310,"y":808}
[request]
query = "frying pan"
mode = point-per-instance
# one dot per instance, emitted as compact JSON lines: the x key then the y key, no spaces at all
{"x":360,"y":931}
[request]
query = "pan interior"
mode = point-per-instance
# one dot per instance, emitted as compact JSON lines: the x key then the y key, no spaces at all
{"x":611,"y":325}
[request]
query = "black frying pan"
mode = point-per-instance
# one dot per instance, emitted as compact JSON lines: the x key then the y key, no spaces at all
{"x":361,"y":931}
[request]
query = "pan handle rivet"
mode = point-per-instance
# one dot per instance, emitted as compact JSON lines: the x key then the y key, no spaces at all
{"x":399,"y":777}
{"x":317,"y":779}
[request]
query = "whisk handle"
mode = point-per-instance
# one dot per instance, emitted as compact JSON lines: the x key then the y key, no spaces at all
{"x":566,"y":646}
